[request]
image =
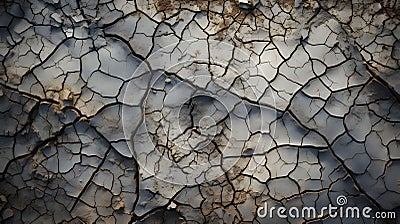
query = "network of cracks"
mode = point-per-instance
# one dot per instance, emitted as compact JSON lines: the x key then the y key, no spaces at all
{"x":176,"y":111}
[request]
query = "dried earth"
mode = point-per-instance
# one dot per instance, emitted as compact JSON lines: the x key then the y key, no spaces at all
{"x":197,"y":111}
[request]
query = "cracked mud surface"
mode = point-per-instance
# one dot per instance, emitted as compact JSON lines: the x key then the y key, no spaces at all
{"x":196,"y":111}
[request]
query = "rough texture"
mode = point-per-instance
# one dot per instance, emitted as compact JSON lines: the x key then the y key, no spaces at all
{"x":196,"y":111}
